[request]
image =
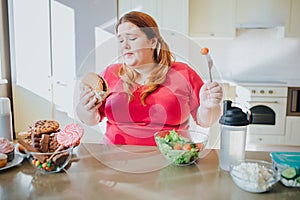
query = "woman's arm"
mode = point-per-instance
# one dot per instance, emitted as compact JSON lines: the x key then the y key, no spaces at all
{"x":209,"y":112}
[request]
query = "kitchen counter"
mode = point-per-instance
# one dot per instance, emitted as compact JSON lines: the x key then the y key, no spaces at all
{"x":88,"y":178}
{"x":265,"y":83}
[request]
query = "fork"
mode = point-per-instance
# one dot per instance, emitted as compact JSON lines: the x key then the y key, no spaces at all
{"x":205,"y":51}
{"x":210,"y":64}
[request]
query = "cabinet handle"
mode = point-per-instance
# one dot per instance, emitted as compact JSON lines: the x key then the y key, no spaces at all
{"x":61,"y":84}
{"x":294,"y":101}
{"x":262,"y":101}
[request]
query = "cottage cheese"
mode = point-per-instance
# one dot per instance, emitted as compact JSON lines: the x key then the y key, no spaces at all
{"x":253,"y":177}
{"x":290,"y":183}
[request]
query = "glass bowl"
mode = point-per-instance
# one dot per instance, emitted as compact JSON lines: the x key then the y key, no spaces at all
{"x":255,"y":176}
{"x":288,"y":166}
{"x":50,"y":162}
{"x":181,"y":147}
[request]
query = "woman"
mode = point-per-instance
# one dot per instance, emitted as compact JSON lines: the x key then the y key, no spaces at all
{"x":149,"y":91}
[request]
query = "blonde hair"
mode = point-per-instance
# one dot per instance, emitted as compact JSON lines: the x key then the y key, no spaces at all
{"x":161,"y":56}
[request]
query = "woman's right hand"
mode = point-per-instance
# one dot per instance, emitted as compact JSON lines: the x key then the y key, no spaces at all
{"x":87,"y":108}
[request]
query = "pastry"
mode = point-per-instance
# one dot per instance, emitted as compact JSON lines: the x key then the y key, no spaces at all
{"x":3,"y":160}
{"x":8,"y":148}
{"x":21,"y":149}
{"x":97,"y":84}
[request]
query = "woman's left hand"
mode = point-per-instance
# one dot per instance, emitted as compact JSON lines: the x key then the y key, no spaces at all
{"x":211,"y":94}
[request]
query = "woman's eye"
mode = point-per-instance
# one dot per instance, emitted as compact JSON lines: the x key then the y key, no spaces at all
{"x":132,"y":39}
{"x":121,"y":41}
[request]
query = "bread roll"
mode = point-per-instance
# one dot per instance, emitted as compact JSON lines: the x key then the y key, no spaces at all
{"x":97,"y":84}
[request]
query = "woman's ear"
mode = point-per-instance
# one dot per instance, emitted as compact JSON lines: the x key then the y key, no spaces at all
{"x":154,"y":42}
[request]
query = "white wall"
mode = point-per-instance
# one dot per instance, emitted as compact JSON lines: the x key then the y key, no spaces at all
{"x":256,"y":55}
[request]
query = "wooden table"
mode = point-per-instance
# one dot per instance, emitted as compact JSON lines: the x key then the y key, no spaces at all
{"x":89,"y":177}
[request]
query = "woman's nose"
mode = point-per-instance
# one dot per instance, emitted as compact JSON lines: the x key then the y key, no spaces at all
{"x":126,"y":46}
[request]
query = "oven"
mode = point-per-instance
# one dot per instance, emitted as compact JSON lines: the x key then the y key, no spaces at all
{"x":268,"y":111}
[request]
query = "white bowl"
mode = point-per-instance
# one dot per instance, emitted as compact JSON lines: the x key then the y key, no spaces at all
{"x":254,"y":175}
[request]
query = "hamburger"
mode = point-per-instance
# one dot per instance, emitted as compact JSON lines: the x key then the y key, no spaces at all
{"x":97,"y":84}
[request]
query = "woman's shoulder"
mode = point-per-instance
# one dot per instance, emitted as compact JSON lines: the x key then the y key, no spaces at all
{"x":114,"y":67}
{"x":186,"y":71}
{"x":181,"y":66}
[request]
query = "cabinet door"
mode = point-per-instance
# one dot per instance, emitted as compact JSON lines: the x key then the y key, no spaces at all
{"x":292,"y":130}
{"x":173,"y":15}
{"x":63,"y":55}
{"x":30,"y":45}
{"x":293,"y":27}
{"x":257,"y":13}
{"x":169,"y":14}
{"x":212,"y":18}
{"x":149,"y":7}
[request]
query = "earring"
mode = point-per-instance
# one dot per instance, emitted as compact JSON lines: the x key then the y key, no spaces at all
{"x":158,"y":48}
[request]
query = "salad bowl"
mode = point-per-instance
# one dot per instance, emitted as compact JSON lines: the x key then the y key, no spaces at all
{"x":181,"y":147}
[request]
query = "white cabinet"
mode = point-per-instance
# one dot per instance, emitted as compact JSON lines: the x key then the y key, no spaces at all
{"x":63,"y":56}
{"x":271,"y":13}
{"x":30,"y":47}
{"x":293,"y":130}
{"x":51,"y":41}
{"x":293,"y":26}
{"x":43,"y":57}
{"x":212,"y":18}
{"x":257,"y":13}
{"x":169,"y":14}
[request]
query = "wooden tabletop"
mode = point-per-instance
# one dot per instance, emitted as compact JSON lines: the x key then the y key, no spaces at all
{"x":131,"y":172}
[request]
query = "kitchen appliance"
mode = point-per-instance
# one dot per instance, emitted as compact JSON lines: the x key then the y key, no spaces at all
{"x":267,"y":103}
{"x":293,"y":105}
{"x":233,"y":134}
{"x":5,"y":119}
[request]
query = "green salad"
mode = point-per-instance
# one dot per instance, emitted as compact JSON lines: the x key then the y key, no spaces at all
{"x":178,"y":149}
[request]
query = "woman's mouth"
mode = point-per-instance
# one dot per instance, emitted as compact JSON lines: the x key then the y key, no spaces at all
{"x":128,"y":54}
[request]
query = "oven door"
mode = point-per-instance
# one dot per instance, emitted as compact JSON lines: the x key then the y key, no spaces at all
{"x":268,"y":115}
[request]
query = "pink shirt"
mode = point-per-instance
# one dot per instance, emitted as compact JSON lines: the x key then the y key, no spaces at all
{"x":167,"y":108}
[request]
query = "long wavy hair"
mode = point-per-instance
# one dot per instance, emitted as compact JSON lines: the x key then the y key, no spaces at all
{"x":162,"y":56}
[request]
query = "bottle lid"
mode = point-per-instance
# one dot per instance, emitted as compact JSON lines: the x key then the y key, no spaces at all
{"x":233,"y":116}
